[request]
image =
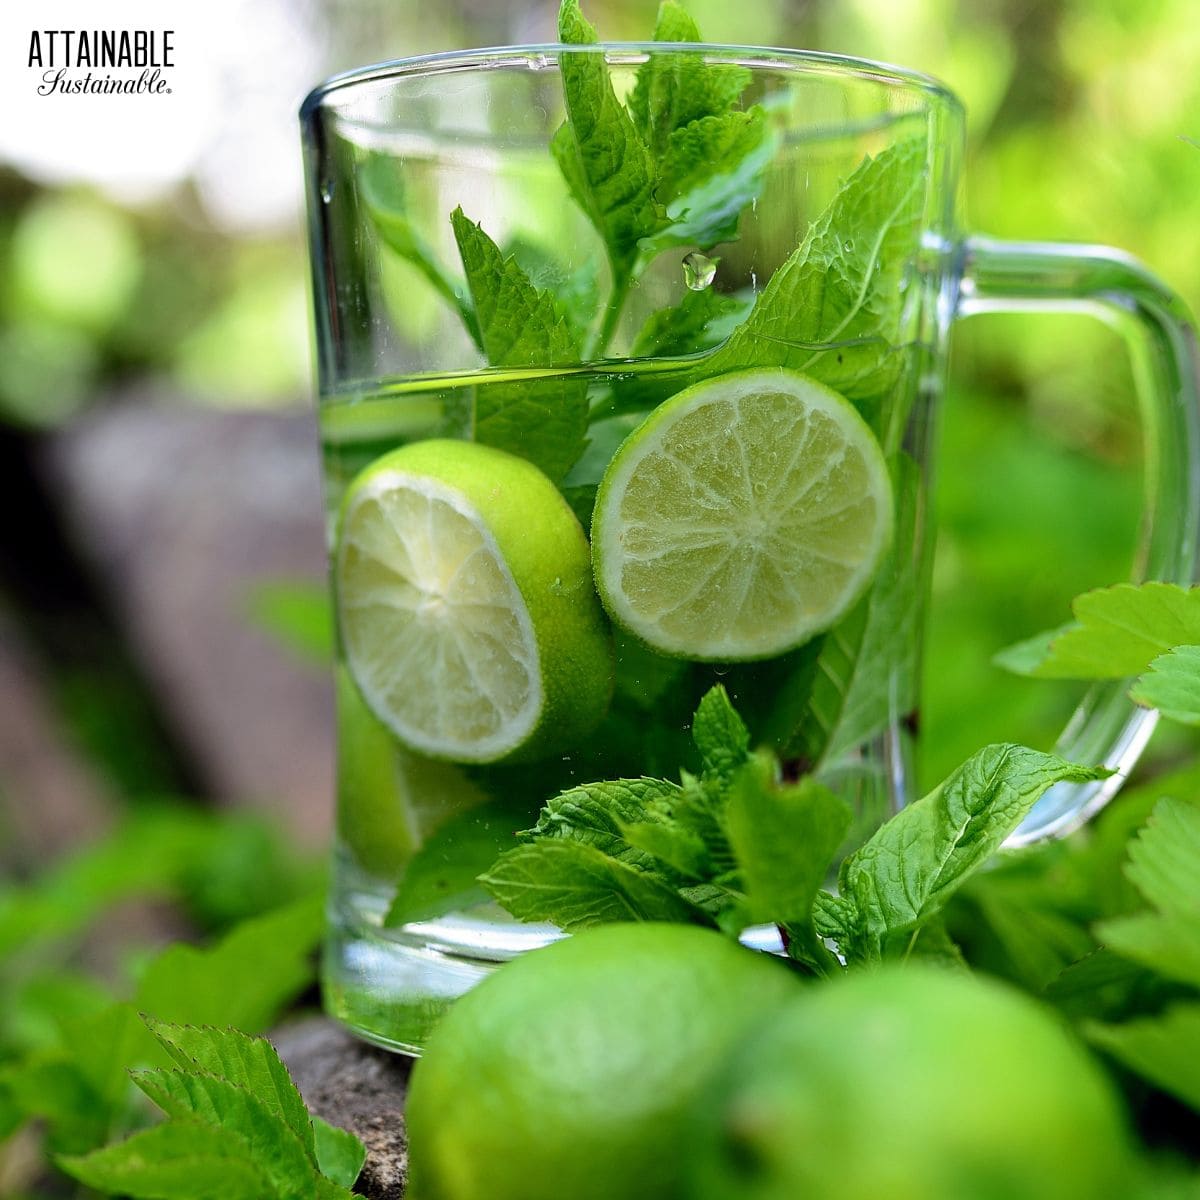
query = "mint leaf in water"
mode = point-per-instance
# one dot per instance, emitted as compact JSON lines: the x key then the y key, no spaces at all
{"x":863,"y":677}
{"x":720,"y":734}
{"x":673,"y":90}
{"x":607,"y":165}
{"x":834,"y":309}
{"x":700,"y":321}
{"x":916,"y":861}
{"x":575,"y":885}
{"x":443,"y":875}
{"x":383,"y":194}
{"x":520,"y":325}
{"x":1117,"y":632}
{"x":784,"y":839}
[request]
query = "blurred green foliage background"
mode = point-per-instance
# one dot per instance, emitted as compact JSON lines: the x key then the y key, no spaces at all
{"x":1080,"y":115}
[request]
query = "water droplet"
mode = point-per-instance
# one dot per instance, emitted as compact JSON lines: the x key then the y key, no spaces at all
{"x":539,"y":62}
{"x":760,"y":488}
{"x":699,"y":270}
{"x":848,"y":245}
{"x":326,"y":192}
{"x":754,"y":281}
{"x":721,"y":670}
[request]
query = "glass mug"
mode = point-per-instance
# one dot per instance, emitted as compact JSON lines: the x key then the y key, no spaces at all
{"x":485,"y":273}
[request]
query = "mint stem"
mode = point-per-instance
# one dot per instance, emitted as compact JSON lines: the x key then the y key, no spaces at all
{"x":612,"y":314}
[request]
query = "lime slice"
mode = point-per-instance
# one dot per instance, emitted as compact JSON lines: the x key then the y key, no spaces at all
{"x":465,"y":603}
{"x":744,"y":515}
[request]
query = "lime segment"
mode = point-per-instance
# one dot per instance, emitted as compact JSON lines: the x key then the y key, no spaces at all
{"x":466,"y":610}
{"x":744,"y":515}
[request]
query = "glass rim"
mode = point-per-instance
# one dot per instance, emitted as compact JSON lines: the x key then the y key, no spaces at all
{"x":537,"y":55}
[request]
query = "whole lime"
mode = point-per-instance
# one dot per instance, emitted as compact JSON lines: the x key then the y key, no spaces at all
{"x":910,"y":1083}
{"x":571,"y":1071}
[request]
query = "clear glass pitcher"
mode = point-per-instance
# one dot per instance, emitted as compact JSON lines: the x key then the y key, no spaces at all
{"x":709,"y":334}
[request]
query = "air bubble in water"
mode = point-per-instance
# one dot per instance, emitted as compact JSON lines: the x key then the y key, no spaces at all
{"x":326,"y":192}
{"x":699,"y":270}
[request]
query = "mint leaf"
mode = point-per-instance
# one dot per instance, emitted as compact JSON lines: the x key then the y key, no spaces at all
{"x":673,"y":90}
{"x":915,"y":862}
{"x":576,"y":292}
{"x":442,"y":876}
{"x":1164,"y":859}
{"x":340,"y":1155}
{"x":608,"y":167}
{"x":235,"y":1111}
{"x":240,"y":1060}
{"x":1163,"y":1049}
{"x":784,"y":840}
{"x":246,"y":979}
{"x":710,"y":171}
{"x":520,"y":325}
{"x":864,"y":657}
{"x":1172,"y":685}
{"x":544,"y":420}
{"x":382,"y":189}
{"x":574,"y":885}
{"x":700,"y":321}
{"x":1164,"y":866}
{"x":1118,"y":631}
{"x":834,"y":309}
{"x":670,"y":846}
{"x":181,"y":1160}
{"x":720,"y":734}
{"x":598,"y":814}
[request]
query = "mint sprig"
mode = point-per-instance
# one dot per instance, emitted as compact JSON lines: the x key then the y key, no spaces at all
{"x":236,"y":1127}
{"x":734,"y":846}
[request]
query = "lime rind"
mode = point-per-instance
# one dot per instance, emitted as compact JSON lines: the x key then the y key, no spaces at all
{"x":745,"y":515}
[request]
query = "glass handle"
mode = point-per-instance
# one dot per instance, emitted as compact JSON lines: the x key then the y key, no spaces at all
{"x":999,"y":276}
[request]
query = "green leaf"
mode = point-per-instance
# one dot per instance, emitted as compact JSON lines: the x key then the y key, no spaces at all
{"x":1172,"y":685}
{"x":382,"y":189}
{"x":443,"y":875}
{"x":784,"y":840}
{"x":246,"y":1062}
{"x":711,"y":171}
{"x":1165,"y":942}
{"x":542,"y":419}
{"x":673,"y":90}
{"x":575,"y":291}
{"x":1118,"y":631}
{"x":700,"y":321}
{"x":1164,"y":866}
{"x":1163,"y":1049}
{"x":1164,"y":859}
{"x":598,"y":814}
{"x":340,"y":1155}
{"x":104,"y":1045}
{"x":670,"y":847}
{"x":574,"y":885}
{"x":916,"y":861}
{"x":181,"y":1160}
{"x":609,"y":168}
{"x":246,"y":979}
{"x":834,"y":309}
{"x":233,"y":1110}
{"x":521,"y":325}
{"x":865,"y":670}
{"x":720,"y":734}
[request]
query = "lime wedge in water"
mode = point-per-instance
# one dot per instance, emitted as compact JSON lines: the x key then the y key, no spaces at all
{"x":744,"y":515}
{"x":466,"y":608}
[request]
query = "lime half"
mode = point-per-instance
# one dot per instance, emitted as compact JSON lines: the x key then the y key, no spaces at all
{"x":466,"y":608}
{"x":744,"y":515}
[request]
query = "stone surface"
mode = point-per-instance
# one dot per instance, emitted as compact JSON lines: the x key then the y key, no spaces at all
{"x":357,"y":1087}
{"x":184,"y":511}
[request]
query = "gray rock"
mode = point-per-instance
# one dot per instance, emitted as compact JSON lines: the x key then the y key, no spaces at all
{"x":357,"y":1087}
